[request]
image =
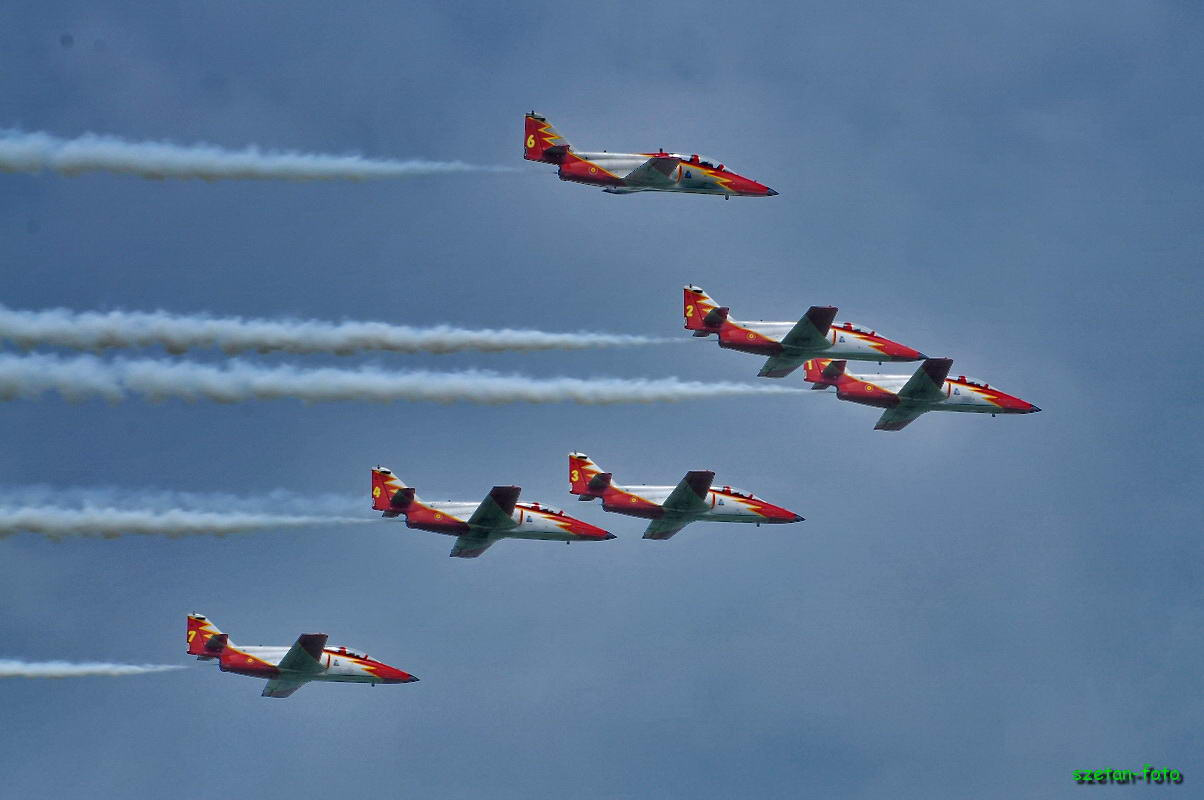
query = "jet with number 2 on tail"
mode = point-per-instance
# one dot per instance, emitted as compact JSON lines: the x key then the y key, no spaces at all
{"x":478,"y":525}
{"x":671,"y":508}
{"x":627,"y":173}
{"x":287,"y":669}
{"x":789,"y":344}
{"x":905,"y":398}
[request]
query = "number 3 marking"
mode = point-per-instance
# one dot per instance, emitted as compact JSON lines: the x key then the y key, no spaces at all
{"x":574,"y":476}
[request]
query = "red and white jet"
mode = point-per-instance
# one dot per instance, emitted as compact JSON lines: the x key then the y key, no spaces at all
{"x":478,"y":525}
{"x":287,"y":669}
{"x":626,"y":173}
{"x":906,"y":398}
{"x":789,"y":344}
{"x":671,"y":508}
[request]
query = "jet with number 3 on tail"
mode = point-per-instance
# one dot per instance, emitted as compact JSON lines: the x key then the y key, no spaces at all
{"x":287,"y":669}
{"x":671,"y":508}
{"x":476,"y":526}
{"x":627,"y":173}
{"x":905,"y":398}
{"x":789,"y":344}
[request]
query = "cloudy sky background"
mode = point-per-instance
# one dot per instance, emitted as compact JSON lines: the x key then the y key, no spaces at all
{"x":977,"y":606}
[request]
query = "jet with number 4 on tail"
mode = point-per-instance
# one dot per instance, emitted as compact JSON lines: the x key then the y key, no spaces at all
{"x":627,"y":173}
{"x":476,"y":526}
{"x":905,"y":398}
{"x":671,"y":508}
{"x":287,"y":669}
{"x":789,"y":344}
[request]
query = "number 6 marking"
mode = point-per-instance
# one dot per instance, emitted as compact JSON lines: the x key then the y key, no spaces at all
{"x":531,"y":141}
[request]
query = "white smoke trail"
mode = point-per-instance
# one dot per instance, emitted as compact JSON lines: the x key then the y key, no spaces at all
{"x":94,"y":330}
{"x":239,"y":381}
{"x":309,"y":503}
{"x":66,"y":520}
{"x":13,"y":668}
{"x":34,"y":152}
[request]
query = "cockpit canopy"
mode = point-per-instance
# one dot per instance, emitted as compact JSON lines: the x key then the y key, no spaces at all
{"x":974,"y":381}
{"x":347,"y":651}
{"x":853,"y":326}
{"x":738,"y":492}
{"x":701,"y":161}
{"x":534,"y":506}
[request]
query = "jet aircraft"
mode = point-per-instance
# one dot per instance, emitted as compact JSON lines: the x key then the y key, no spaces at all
{"x":671,"y":508}
{"x":287,"y":669}
{"x":478,"y":525}
{"x":906,"y":398}
{"x":627,"y":173}
{"x":789,"y":344}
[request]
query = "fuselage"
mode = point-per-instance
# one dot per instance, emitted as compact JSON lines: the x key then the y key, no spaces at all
{"x":960,"y":394}
{"x":532,"y":521}
{"x":693,"y":174}
{"x":340,"y":664}
{"x":725,"y":504}
{"x":844,"y":340}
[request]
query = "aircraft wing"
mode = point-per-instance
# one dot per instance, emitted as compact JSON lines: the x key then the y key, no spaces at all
{"x":899,"y":417}
{"x":811,"y":332}
{"x":496,"y":510}
{"x":282,"y":687}
{"x":471,"y":546}
{"x":667,"y":525}
{"x":781,"y":366}
{"x":928,"y":384}
{"x":689,"y":496}
{"x":305,"y":656}
{"x":656,"y":171}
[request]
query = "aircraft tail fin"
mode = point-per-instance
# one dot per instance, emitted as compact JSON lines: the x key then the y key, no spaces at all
{"x":204,"y":639}
{"x":586,"y":479}
{"x":541,"y":142}
{"x":703,"y":315}
{"x":389,"y":494}
{"x":823,"y":372}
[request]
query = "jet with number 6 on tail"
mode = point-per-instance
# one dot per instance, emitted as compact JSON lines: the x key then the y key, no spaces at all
{"x":287,"y":669}
{"x":905,"y":398}
{"x":789,"y":344}
{"x":671,"y":508}
{"x":478,"y":525}
{"x":627,"y":173}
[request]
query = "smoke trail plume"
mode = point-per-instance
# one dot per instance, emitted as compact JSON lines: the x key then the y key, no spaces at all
{"x":239,"y":381}
{"x":13,"y":668}
{"x":63,"y":521}
{"x":34,"y":152}
{"x":323,"y":504}
{"x":94,"y":330}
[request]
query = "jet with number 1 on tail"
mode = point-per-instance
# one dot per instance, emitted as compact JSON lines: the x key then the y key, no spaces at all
{"x":671,"y":508}
{"x":627,"y":173}
{"x":287,"y":669}
{"x":476,"y":526}
{"x":905,"y":398}
{"x":789,"y":344}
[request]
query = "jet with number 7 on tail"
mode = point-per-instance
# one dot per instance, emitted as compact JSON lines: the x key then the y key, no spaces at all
{"x":287,"y":669}
{"x":476,"y":526}
{"x":627,"y":173}
{"x":671,"y":508}
{"x":905,"y":398}
{"x":789,"y":344}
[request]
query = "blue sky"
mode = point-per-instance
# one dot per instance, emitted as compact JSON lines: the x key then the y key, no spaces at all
{"x":974,"y":606}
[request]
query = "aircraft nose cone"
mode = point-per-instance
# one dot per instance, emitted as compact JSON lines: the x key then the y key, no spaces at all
{"x":798,"y":518}
{"x":610,"y":536}
{"x":770,"y":192}
{"x":1033,"y":410}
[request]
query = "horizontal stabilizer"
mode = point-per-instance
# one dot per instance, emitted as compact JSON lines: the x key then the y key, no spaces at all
{"x":599,"y":483}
